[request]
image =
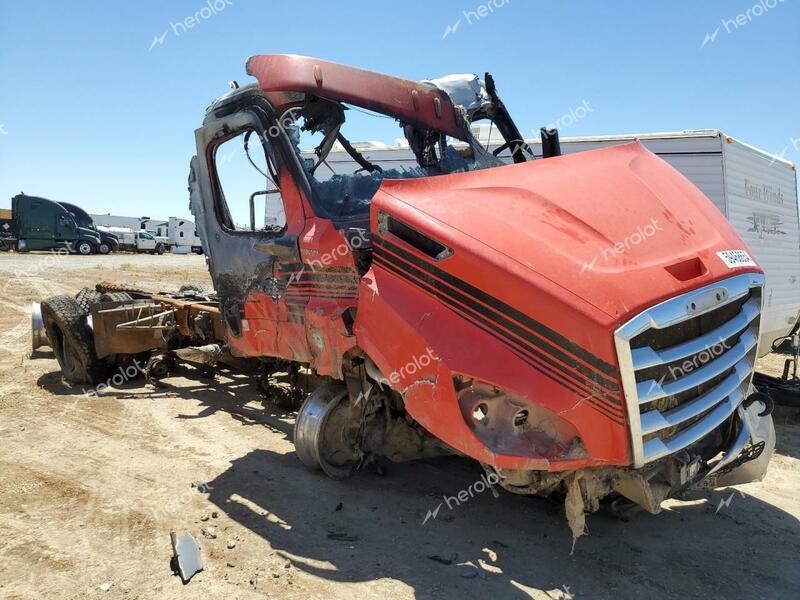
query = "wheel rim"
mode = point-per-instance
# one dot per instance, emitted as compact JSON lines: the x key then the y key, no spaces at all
{"x":104,"y":249}
{"x":85,"y":249}
{"x":309,"y":432}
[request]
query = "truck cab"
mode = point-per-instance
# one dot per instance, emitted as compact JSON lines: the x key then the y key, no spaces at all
{"x":108,"y":241}
{"x":585,"y":324}
{"x":42,"y":224}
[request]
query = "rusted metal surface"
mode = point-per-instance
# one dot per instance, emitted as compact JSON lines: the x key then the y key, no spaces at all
{"x":112,"y":336}
{"x":130,"y":327}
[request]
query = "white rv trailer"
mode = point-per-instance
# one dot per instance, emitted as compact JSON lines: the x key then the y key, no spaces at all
{"x":755,"y":190}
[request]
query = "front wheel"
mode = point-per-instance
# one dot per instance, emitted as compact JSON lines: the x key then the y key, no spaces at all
{"x":325,"y":434}
{"x":84,"y":248}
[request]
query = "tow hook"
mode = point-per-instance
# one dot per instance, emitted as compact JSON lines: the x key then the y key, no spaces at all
{"x":766,"y":399}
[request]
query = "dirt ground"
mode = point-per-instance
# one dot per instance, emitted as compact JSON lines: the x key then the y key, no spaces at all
{"x":91,"y":486}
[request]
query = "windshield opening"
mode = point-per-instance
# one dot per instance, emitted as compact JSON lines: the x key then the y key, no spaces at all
{"x":345,"y":175}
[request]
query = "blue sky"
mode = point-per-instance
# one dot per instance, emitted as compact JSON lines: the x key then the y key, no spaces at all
{"x":91,"y":114}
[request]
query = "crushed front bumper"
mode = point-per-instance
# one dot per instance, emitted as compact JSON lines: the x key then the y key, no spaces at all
{"x":747,"y":458}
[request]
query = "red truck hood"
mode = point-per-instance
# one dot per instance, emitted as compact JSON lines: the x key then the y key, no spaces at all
{"x":617,"y":227}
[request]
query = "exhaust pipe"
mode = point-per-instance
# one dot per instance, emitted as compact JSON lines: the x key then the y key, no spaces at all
{"x":551,"y":144}
{"x":39,"y":335}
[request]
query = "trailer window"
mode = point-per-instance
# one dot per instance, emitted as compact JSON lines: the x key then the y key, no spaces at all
{"x":248,"y":197}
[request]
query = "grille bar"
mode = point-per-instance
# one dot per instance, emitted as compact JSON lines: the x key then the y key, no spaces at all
{"x":653,"y":420}
{"x":657,"y":448}
{"x":650,"y":390}
{"x":673,"y":404}
{"x":647,"y":357}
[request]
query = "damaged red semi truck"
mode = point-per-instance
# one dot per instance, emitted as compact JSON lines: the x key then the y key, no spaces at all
{"x":583,"y":325}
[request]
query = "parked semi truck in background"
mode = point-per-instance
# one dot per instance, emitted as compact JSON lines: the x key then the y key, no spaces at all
{"x":108,"y":241}
{"x":42,"y":224}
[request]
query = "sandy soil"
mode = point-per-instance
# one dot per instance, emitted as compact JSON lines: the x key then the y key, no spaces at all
{"x":90,"y":488}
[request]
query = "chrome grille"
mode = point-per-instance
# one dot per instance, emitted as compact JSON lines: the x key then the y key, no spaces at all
{"x":686,"y":364}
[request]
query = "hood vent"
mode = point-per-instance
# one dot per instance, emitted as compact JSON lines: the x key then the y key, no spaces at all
{"x":425,"y":244}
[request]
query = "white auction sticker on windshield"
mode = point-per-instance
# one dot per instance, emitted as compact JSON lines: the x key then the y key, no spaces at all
{"x":736,"y":258}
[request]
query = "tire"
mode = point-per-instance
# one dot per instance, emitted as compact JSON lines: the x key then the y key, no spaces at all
{"x":86,"y":297}
{"x":84,"y":248}
{"x":191,"y":288}
{"x":160,"y":249}
{"x":104,"y":248}
{"x":4,"y":246}
{"x":116,"y":297}
{"x":72,"y":341}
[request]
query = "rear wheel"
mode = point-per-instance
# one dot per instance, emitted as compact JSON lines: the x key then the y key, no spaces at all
{"x":86,"y":297}
{"x":191,"y":289}
{"x":115,"y":297}
{"x":160,"y":249}
{"x":104,"y":248}
{"x":72,"y":341}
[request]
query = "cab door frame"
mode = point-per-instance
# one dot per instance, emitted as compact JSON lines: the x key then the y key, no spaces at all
{"x":242,"y":263}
